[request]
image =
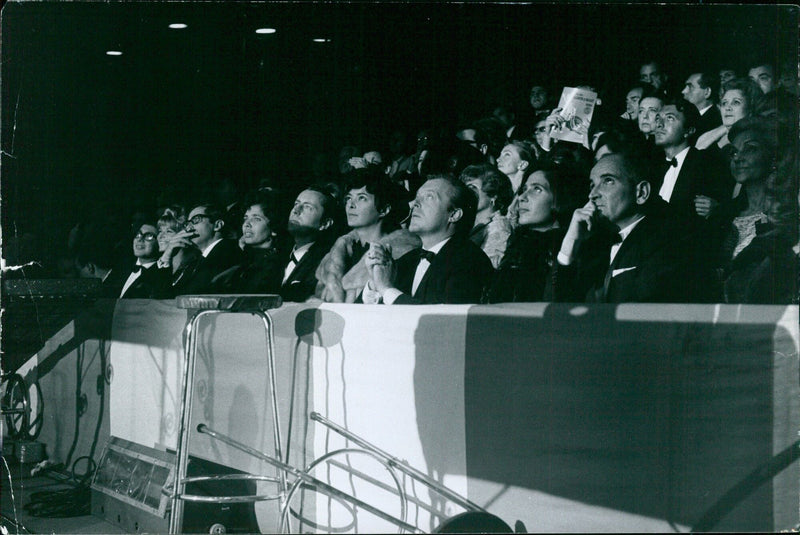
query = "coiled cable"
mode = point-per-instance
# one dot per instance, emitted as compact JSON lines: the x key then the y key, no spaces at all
{"x":65,"y":503}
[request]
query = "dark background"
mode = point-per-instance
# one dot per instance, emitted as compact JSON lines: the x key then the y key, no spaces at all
{"x":84,"y":133}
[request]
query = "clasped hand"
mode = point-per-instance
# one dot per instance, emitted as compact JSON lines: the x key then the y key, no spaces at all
{"x":380,"y":266}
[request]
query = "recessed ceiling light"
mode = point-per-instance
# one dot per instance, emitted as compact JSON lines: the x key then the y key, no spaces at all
{"x":113,"y":53}
{"x":321,"y":40}
{"x":177,"y":26}
{"x":263,"y":31}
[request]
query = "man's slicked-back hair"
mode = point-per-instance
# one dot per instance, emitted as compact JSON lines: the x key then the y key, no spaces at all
{"x":690,"y":113}
{"x":709,"y":80}
{"x":638,"y":167}
{"x":330,"y":205}
{"x":763,"y":62}
{"x":463,"y":198}
{"x":213,"y":210}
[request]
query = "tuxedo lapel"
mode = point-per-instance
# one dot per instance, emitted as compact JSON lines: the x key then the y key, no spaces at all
{"x":301,"y":267}
{"x":144,"y":287}
{"x":406,"y":268}
{"x":684,"y":184}
{"x":437,"y":267}
{"x":628,"y":259}
{"x":426,"y":277}
{"x":630,"y":248}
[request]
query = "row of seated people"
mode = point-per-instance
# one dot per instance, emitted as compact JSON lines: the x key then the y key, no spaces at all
{"x":682,"y":228}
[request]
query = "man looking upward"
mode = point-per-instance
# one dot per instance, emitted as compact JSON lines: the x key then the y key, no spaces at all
{"x":449,"y":268}
{"x":311,"y":225}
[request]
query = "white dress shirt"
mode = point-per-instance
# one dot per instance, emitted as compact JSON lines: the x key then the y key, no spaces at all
{"x":297,"y":253}
{"x":390,"y":295}
{"x":623,"y":234}
{"x":671,"y":176}
{"x":205,"y":252}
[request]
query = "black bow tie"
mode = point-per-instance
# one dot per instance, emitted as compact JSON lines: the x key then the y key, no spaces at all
{"x":673,"y":162}
{"x":293,"y":258}
{"x":427,"y":255}
{"x":137,"y":268}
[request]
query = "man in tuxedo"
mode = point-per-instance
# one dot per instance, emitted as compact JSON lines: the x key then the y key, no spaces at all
{"x":618,"y":248}
{"x":312,"y":225}
{"x":694,"y":182}
{"x":204,"y":228}
{"x":143,"y":280}
{"x":701,"y":89}
{"x":449,"y":268}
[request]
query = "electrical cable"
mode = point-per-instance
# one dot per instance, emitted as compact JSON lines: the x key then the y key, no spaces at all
{"x":79,"y":354}
{"x":65,"y":503}
{"x":11,"y":488}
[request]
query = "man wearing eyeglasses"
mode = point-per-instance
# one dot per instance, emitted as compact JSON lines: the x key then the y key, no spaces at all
{"x":143,"y":280}
{"x":204,"y":231}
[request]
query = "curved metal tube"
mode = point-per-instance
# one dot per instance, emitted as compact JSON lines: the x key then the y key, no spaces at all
{"x":401,"y":523}
{"x":168,"y":490}
{"x":394,"y":462}
{"x":185,"y":411}
{"x":284,"y":526}
{"x":305,"y":477}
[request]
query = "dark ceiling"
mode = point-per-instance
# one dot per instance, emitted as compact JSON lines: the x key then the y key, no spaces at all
{"x":181,"y":107}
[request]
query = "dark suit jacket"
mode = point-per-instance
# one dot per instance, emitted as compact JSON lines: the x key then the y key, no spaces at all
{"x":458,"y":274}
{"x":702,"y":173}
{"x":114,"y":281}
{"x":654,"y":264}
{"x":199,"y":276}
{"x":260,"y":273}
{"x":152,"y":283}
{"x":526,"y":272}
{"x":302,"y":281}
{"x":709,"y":121}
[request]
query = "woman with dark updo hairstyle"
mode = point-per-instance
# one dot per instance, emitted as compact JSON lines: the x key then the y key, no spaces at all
{"x":374,"y":207}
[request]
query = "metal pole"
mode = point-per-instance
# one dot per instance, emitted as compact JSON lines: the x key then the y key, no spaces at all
{"x":303,"y":476}
{"x":182,"y":451}
{"x":397,"y":463}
